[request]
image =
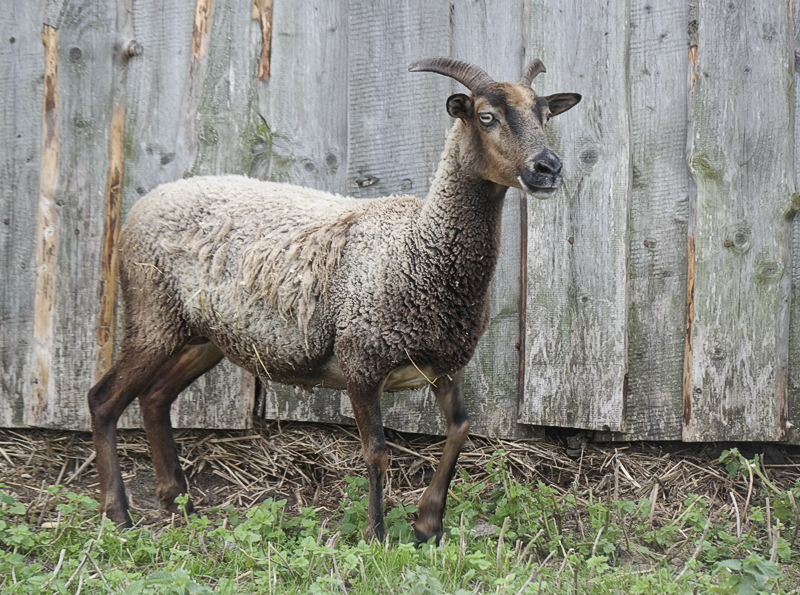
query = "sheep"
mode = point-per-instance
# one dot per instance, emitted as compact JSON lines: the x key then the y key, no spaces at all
{"x":313,"y":289}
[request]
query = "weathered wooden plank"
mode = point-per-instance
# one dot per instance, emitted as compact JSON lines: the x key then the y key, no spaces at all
{"x":659,"y":95}
{"x":226,"y":117}
{"x":154,"y":114}
{"x":47,"y":235}
{"x":313,"y":59}
{"x":262,"y":12}
{"x":741,"y":158}
{"x":304,"y":103}
{"x":85,"y":44}
{"x":491,"y":380}
{"x":190,"y":111}
{"x":397,"y":119}
{"x":294,"y":403}
{"x":125,"y":48}
{"x":397,"y":125}
{"x":576,"y":313}
{"x":793,"y":435}
{"x":21,"y":128}
{"x":490,"y":390}
{"x":224,"y":133}
{"x":390,"y":145}
{"x":305,"y":142}
{"x":157,"y":86}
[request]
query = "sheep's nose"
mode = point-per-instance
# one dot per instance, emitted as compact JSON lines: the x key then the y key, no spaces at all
{"x":547,"y":163}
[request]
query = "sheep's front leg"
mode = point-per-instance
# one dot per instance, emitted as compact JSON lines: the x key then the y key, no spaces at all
{"x":366,"y":404}
{"x":431,"y":506}
{"x":180,"y":371}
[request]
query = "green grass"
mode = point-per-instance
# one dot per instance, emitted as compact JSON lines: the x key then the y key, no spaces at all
{"x":502,"y":536}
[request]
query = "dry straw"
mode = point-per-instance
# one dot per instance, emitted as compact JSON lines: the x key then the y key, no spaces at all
{"x":307,"y":464}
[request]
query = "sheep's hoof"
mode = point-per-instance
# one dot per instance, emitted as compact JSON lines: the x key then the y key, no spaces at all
{"x":120,"y":517}
{"x":424,"y":536}
{"x":378,"y":533}
{"x":171,"y":506}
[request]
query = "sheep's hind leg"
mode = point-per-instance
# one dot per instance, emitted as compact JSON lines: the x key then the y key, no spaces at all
{"x":367,"y":410}
{"x":432,"y":503}
{"x":183,"y":368}
{"x":131,"y":373}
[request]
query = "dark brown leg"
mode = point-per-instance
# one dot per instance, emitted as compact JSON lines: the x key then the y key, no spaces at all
{"x":431,"y":506}
{"x":179,"y":372}
{"x":367,"y":409}
{"x":132,"y":372}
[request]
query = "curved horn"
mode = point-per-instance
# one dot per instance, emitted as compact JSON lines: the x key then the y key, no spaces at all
{"x":469,"y":75}
{"x":534,"y":68}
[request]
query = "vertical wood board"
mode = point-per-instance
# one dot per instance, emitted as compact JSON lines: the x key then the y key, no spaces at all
{"x":397,"y":122}
{"x":157,"y":84}
{"x":125,"y":48}
{"x":303,"y":140}
{"x":226,"y":116}
{"x":576,"y":314}
{"x":224,"y":136}
{"x":156,"y":87}
{"x":491,"y":381}
{"x":397,"y":119}
{"x":85,"y":44}
{"x":659,"y":203}
{"x":304,"y":102}
{"x":190,"y":112}
{"x":21,"y":70}
{"x":793,"y":434}
{"x":742,"y":162}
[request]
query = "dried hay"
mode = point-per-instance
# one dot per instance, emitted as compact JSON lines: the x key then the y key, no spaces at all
{"x":307,"y":464}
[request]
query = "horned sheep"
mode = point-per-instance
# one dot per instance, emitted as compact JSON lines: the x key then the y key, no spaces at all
{"x":309,"y":288}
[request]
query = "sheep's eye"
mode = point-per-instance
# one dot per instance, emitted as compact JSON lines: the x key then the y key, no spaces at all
{"x":486,"y":118}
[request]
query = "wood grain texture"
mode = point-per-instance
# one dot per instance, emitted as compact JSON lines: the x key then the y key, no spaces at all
{"x":224,"y":129}
{"x":190,"y":111}
{"x":397,"y":121}
{"x":293,"y":403}
{"x":156,"y":92}
{"x":85,"y":45}
{"x":657,"y":267}
{"x":379,"y":104}
{"x":303,"y":140}
{"x":491,"y":381}
{"x":156,"y":98}
{"x":262,"y":12}
{"x":793,"y":435}
{"x":125,"y":48}
{"x":47,"y":236}
{"x":408,"y":411}
{"x":576,"y":312}
{"x":225,"y":121}
{"x":340,"y":112}
{"x":21,"y":77}
{"x":741,"y":159}
{"x":303,"y":136}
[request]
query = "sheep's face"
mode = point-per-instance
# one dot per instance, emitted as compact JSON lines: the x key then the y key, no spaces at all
{"x":507,"y":123}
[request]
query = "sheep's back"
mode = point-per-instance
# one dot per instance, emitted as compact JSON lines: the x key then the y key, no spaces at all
{"x":239,"y":256}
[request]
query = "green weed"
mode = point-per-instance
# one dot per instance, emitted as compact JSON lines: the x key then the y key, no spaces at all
{"x":503,"y":535}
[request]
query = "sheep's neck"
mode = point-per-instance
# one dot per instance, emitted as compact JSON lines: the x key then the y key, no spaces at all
{"x":462,"y":210}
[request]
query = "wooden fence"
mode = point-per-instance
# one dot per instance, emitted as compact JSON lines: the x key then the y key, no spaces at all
{"x":654,"y":297}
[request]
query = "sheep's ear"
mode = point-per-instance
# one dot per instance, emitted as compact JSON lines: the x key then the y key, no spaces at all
{"x":460,"y":106}
{"x":561,"y":102}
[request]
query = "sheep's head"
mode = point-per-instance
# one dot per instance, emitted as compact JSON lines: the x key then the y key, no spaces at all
{"x":506,"y":122}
